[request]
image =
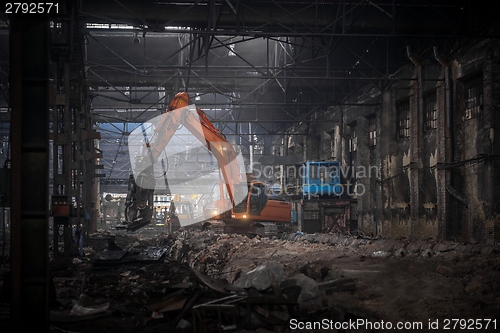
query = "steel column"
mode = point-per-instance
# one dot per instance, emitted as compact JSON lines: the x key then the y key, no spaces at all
{"x":29,"y":63}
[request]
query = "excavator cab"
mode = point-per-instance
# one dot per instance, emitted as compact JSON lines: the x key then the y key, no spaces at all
{"x":255,"y":201}
{"x":258,"y":198}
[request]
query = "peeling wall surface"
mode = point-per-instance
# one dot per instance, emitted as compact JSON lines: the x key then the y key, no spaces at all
{"x":439,"y":179}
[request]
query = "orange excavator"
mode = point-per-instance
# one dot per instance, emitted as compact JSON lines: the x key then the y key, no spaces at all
{"x":243,"y":203}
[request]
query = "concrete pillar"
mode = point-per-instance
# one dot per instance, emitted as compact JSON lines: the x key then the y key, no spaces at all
{"x":386,"y":141}
{"x":495,"y":147}
{"x":361,"y":169}
{"x":491,"y":125}
{"x":29,"y":75}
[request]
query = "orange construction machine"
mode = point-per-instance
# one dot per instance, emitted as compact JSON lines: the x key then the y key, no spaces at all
{"x":242,"y":203}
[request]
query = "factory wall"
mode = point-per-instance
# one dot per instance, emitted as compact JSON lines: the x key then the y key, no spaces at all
{"x":421,"y":151}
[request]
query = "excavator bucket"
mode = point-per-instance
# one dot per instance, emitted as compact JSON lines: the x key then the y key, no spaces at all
{"x":134,"y":220}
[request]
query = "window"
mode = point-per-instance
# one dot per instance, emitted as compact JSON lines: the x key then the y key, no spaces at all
{"x":473,"y":89}
{"x":403,"y":119}
{"x":354,"y":140}
{"x":372,"y":131}
{"x":430,"y":114}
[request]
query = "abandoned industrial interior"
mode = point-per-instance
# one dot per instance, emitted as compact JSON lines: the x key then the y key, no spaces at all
{"x":250,"y":166}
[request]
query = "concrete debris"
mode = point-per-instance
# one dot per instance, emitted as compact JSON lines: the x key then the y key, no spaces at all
{"x":261,"y":277}
{"x":381,"y":254}
{"x":183,"y":324}
{"x":445,"y":271}
{"x":427,"y":253}
{"x":79,"y":310}
{"x":309,"y":288}
{"x":207,"y":281}
{"x":86,"y":306}
{"x":400,"y":252}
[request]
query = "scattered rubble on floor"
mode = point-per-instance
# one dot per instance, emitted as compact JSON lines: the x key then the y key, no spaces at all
{"x":194,"y":281}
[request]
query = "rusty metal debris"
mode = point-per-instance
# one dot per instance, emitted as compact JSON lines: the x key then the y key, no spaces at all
{"x":144,"y":256}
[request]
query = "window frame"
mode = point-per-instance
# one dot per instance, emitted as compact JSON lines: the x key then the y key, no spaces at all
{"x":372,"y":130}
{"x":430,"y":116}
{"x":353,"y":142}
{"x":403,"y":132}
{"x":473,"y":105}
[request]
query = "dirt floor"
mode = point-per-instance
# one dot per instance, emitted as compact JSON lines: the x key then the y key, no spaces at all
{"x":195,"y":281}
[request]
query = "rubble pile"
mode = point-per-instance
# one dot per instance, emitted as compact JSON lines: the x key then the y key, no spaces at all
{"x":207,"y":252}
{"x":212,"y":253}
{"x":194,"y":281}
{"x":375,"y":275}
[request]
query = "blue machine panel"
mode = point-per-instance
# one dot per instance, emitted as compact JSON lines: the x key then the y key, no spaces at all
{"x":321,"y":179}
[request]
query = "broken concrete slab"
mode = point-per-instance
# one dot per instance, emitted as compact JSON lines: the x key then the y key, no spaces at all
{"x":414,"y":247}
{"x":444,"y":247}
{"x":309,"y":287}
{"x":387,"y":245}
{"x":261,"y":277}
{"x":401,"y":252}
{"x":427,"y":253}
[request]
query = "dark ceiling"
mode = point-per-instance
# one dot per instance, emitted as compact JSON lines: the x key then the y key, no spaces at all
{"x":277,"y":59}
{"x":284,"y":53}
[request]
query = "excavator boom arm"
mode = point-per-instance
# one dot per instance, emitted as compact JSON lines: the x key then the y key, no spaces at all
{"x":201,"y":127}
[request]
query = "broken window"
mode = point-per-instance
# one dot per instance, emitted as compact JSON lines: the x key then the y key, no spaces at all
{"x":403,"y":119}
{"x":430,"y":121}
{"x":354,"y":139}
{"x":372,"y":131}
{"x":473,"y":89}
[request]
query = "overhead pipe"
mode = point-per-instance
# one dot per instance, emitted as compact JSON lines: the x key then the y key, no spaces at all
{"x":447,"y":80}
{"x":416,"y":143}
{"x":449,"y":107}
{"x":449,"y":114}
{"x":448,"y":151}
{"x":416,"y":61}
{"x":412,"y":56}
{"x":439,"y":57}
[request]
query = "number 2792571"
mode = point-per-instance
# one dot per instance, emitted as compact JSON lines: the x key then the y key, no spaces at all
{"x":31,"y":8}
